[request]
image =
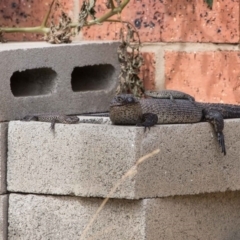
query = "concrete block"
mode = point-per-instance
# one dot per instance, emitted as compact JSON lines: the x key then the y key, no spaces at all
{"x":3,"y":216}
{"x":52,"y":217}
{"x":36,"y":77}
{"x":205,"y":217}
{"x":211,"y":216}
{"x":3,"y":156}
{"x":94,"y":120}
{"x":88,"y":159}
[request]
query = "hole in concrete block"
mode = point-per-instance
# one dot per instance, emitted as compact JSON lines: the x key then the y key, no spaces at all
{"x":93,"y":77}
{"x":33,"y":82}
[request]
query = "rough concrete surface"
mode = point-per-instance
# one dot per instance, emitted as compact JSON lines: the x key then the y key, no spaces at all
{"x":208,"y":217}
{"x":78,"y":159}
{"x":3,"y":216}
{"x":3,"y":156}
{"x":88,"y":159}
{"x":50,"y":217}
{"x":214,"y":216}
{"x":40,"y":75}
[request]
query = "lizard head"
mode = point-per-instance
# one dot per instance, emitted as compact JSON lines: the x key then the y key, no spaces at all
{"x":125,"y":109}
{"x":123,"y":99}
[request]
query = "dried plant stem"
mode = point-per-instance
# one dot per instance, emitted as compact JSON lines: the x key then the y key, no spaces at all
{"x":42,"y":29}
{"x":39,"y":29}
{"x":44,"y":22}
{"x":130,"y":173}
{"x":112,"y":12}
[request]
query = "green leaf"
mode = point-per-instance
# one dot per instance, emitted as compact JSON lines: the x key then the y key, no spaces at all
{"x":209,"y":3}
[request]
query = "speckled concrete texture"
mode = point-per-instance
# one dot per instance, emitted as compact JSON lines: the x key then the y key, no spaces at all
{"x":3,"y":216}
{"x":55,"y":218}
{"x":79,"y":159}
{"x":210,"y":216}
{"x":88,"y":159}
{"x":3,"y":156}
{"x":41,"y":75}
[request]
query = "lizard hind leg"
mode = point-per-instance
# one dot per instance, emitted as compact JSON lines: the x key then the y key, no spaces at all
{"x":216,"y":119}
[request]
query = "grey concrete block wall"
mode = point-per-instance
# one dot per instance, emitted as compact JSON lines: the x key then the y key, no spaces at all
{"x":67,"y":78}
{"x":208,"y":217}
{"x":88,"y":159}
{"x":204,"y":217}
{"x":3,"y":216}
{"x":3,"y":156}
{"x":78,"y":159}
{"x":52,"y":217}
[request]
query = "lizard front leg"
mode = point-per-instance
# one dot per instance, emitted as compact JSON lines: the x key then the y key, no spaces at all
{"x":148,"y":120}
{"x":30,"y":118}
{"x":53,"y":121}
{"x":216,"y":119}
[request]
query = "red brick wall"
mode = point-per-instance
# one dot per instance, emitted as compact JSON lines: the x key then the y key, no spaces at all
{"x":186,"y":46}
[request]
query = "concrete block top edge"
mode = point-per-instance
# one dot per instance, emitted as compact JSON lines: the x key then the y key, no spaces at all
{"x":189,"y":162}
{"x":76,"y":78}
{"x":30,"y":45}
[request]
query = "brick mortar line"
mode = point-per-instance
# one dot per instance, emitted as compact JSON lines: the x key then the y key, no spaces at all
{"x":190,"y":47}
{"x":160,"y":48}
{"x":5,"y":211}
{"x":160,"y":63}
{"x":80,"y":197}
{"x":14,"y":46}
{"x":75,"y":10}
{"x":160,"y":70}
{"x":3,"y":158}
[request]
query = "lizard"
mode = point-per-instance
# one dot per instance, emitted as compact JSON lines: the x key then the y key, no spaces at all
{"x":168,"y":94}
{"x":53,"y":118}
{"x":61,"y":118}
{"x":125,"y":109}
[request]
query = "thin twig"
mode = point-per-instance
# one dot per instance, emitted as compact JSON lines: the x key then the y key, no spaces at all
{"x":42,"y":29}
{"x":131,"y":172}
{"x":126,"y":22}
{"x":44,"y":22}
{"x":38,"y":29}
{"x":112,"y":4}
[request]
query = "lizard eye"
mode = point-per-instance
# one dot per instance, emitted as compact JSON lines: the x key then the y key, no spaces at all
{"x":119,"y":99}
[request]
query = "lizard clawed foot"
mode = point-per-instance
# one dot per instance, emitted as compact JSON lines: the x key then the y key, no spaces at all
{"x":221,"y":142}
{"x":148,"y":120}
{"x":216,"y":119}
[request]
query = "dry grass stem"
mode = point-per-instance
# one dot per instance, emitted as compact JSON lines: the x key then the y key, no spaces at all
{"x":130,"y":173}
